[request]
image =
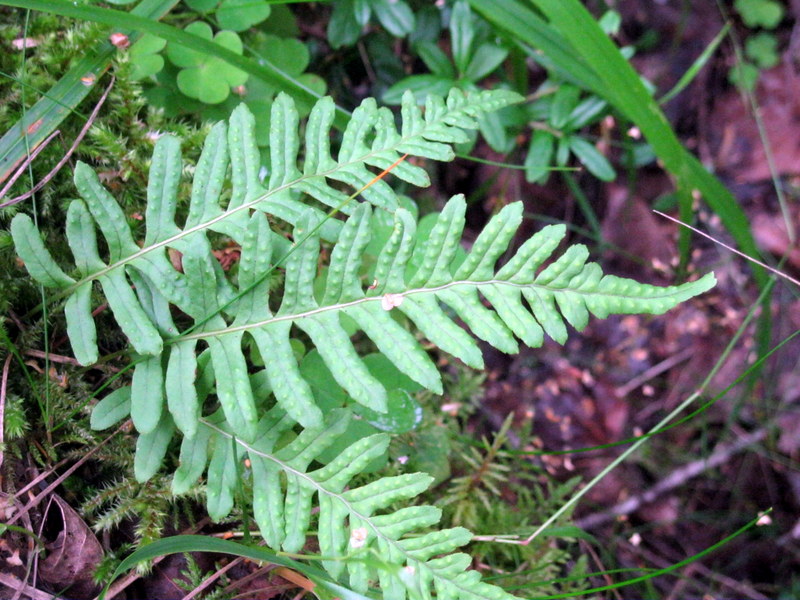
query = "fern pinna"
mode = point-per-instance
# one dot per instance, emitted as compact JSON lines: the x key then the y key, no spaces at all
{"x":226,"y":408}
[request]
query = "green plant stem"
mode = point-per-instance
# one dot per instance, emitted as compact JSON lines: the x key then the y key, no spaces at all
{"x":585,"y":205}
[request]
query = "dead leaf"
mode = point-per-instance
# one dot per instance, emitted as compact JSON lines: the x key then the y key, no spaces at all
{"x":631,"y":226}
{"x":73,"y":553}
{"x":769,"y":231}
{"x":733,"y":136}
{"x":14,"y":560}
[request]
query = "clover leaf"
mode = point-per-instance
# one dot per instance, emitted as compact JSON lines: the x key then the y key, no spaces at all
{"x":203,"y":76}
{"x":762,"y":49}
{"x":145,"y":58}
{"x":760,"y":13}
{"x":239,"y":15}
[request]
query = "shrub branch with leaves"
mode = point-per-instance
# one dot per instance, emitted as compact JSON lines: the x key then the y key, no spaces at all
{"x":226,"y":409}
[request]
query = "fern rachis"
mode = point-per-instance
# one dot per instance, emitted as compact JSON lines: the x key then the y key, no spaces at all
{"x":174,"y":384}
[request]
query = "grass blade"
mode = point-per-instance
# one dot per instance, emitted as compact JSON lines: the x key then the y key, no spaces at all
{"x":697,"y":65}
{"x":199,"y":543}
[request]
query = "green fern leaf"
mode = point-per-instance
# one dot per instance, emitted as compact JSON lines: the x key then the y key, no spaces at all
{"x":347,"y":523}
{"x":253,"y":411}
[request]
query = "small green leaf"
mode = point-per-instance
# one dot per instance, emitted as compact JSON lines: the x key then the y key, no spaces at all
{"x":182,"y":56}
{"x":233,"y":389}
{"x":206,"y":83}
{"x":435,"y":59}
{"x":111,"y":409}
{"x":564,"y":102}
{"x":404,"y":414}
{"x":145,"y":57}
{"x":181,"y":394}
{"x":151,"y":449}
{"x":485,"y":60}
{"x":494,"y":132}
{"x":205,"y":77}
{"x":586,"y":112}
{"x":193,"y":459}
{"x":80,"y":325}
{"x":744,"y":75}
{"x":395,"y":15}
{"x":562,"y":151}
{"x":37,"y":258}
{"x":147,"y":394}
{"x":238,"y":15}
{"x":596,"y":163}
{"x":129,"y":314}
{"x":610,"y":22}
{"x":223,"y":472}
{"x":762,"y":49}
{"x":145,"y":66}
{"x":362,"y":9}
{"x":289,"y":55}
{"x":343,"y":28}
{"x":106,"y":212}
{"x":462,"y":33}
{"x":292,"y":391}
{"x":427,"y":25}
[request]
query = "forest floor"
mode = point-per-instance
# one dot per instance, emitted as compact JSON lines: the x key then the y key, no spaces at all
{"x":696,"y":483}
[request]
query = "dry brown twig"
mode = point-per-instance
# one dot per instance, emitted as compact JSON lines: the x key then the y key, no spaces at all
{"x":44,"y":493}
{"x":28,"y":160}
{"x":721,"y":454}
{"x":31,"y":592}
{"x":3,"y":387}
{"x":212,"y":578}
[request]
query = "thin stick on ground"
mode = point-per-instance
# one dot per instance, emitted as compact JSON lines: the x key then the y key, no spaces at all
{"x":654,"y":371}
{"x":3,"y":387}
{"x":44,"y":493}
{"x":21,"y":170}
{"x":722,"y":453}
{"x":212,"y":578}
{"x":31,"y":592}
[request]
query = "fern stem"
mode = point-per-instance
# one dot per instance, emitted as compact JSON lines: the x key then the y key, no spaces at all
{"x":424,"y":290}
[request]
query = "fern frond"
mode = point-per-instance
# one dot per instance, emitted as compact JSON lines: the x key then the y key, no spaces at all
{"x":371,"y":139}
{"x":416,"y":279}
{"x":352,"y":536}
{"x":173,"y":380}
